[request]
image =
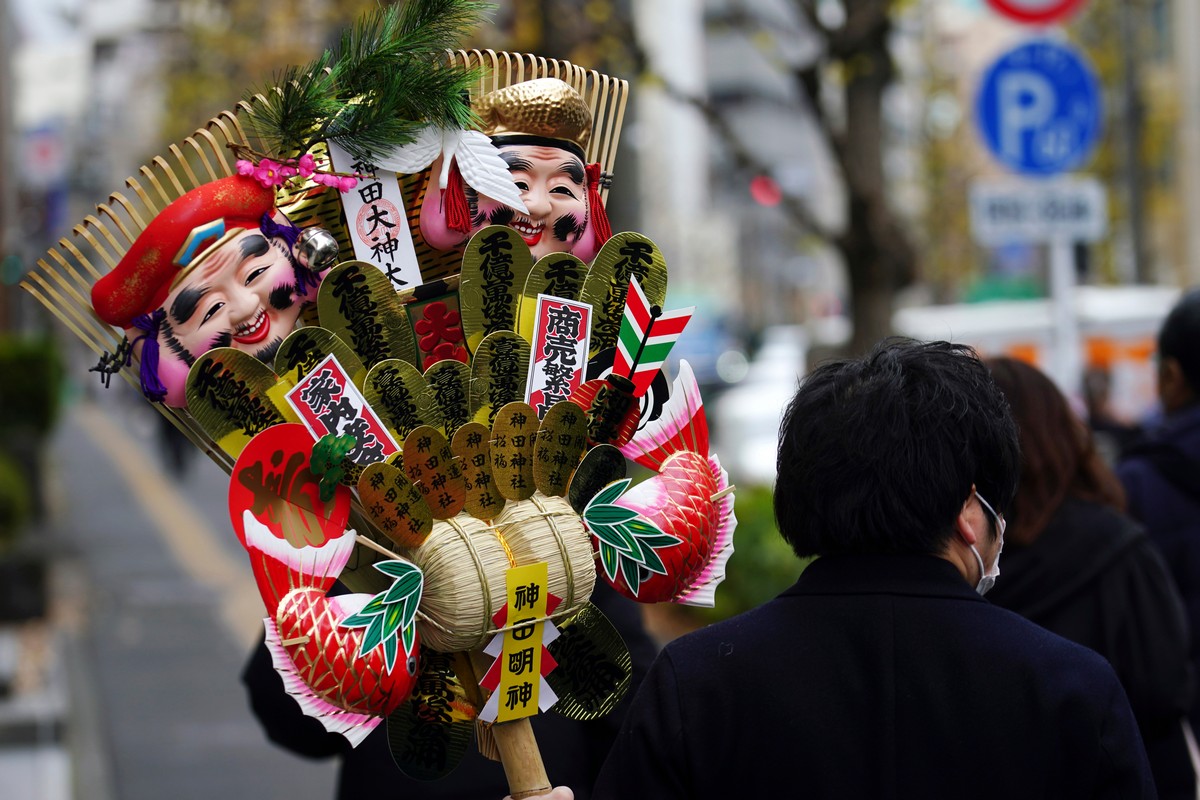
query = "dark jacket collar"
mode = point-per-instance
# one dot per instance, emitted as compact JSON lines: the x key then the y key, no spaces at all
{"x":915,"y":575}
{"x":1182,"y":422}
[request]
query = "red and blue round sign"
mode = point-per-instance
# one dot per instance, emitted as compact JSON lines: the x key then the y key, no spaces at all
{"x":1036,"y":12}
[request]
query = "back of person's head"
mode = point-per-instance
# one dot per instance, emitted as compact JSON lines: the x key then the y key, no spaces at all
{"x":1059,"y":458}
{"x":1179,"y":339}
{"x":878,"y":454}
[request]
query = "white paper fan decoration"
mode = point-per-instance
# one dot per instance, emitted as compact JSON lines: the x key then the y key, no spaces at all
{"x":478,"y":159}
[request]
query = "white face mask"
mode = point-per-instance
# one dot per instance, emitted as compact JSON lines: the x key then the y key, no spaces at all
{"x":987,"y":577}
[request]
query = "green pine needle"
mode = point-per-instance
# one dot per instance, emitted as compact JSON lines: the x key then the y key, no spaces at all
{"x":387,"y":79}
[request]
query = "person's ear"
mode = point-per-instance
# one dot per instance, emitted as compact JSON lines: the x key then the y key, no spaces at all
{"x":962,"y":526}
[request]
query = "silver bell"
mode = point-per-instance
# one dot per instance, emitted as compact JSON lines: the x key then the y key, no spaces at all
{"x":315,"y":249}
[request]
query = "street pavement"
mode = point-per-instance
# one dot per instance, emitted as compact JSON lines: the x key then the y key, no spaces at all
{"x":153,"y":612}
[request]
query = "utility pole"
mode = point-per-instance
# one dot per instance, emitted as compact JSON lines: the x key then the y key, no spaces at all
{"x":1133,"y":113}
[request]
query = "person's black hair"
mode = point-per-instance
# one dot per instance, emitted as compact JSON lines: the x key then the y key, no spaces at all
{"x":878,"y":454}
{"x":1179,"y":337}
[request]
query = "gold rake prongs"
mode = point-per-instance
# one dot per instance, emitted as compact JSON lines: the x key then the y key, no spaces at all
{"x":495,"y":71}
{"x":607,"y":145}
{"x":84,"y":319}
{"x":233,"y":120}
{"x":69,"y":246}
{"x":231,"y":142}
{"x":508,"y":68}
{"x":83,"y":284}
{"x":133,"y":183}
{"x":80,"y":302}
{"x":149,"y":175}
{"x":107,"y":210}
{"x":45,"y":301}
{"x":603,"y":105}
{"x":208,"y":167}
{"x":169,"y":171}
{"x":91,"y":222}
{"x":183,"y":163}
{"x":217,"y":149}
{"x":187,"y":425}
{"x":123,"y":202}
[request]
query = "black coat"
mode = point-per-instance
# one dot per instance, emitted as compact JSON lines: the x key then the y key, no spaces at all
{"x":878,"y":677}
{"x":1169,"y":508}
{"x":1094,"y":577}
{"x":571,"y":751}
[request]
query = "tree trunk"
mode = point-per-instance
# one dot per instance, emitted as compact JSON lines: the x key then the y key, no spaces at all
{"x":878,"y":255}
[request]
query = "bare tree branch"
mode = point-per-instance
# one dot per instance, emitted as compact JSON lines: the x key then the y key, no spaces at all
{"x":809,"y":79}
{"x":873,"y":245}
{"x":719,"y":124}
{"x":747,"y":159}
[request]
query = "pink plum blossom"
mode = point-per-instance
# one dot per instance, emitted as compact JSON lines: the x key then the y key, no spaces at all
{"x":268,"y":173}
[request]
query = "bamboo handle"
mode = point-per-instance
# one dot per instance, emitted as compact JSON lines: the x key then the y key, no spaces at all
{"x":518,"y":748}
{"x":521,"y":759}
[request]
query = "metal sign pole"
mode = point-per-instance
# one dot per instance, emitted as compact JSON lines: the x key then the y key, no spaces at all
{"x":1067,"y":365}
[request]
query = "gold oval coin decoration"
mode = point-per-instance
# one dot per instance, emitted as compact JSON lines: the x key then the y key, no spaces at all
{"x":234,"y":397}
{"x":496,"y":262}
{"x":357,"y":302}
{"x":594,"y":666}
{"x":433,"y":470}
{"x":561,"y":440}
{"x":394,"y":505}
{"x":557,"y":274}
{"x":304,"y":348}
{"x":514,"y":435}
{"x":499,"y":373}
{"x":401,"y":397}
{"x":431,"y":730}
{"x":471,"y":447}
{"x":602,"y":465}
{"x":450,"y":383}
{"x":625,"y":255}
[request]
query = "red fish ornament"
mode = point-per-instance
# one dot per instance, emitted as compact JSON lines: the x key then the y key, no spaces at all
{"x":349,"y":660}
{"x":668,"y":538}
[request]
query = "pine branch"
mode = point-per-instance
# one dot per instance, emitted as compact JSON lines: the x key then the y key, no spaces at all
{"x":388,"y":77}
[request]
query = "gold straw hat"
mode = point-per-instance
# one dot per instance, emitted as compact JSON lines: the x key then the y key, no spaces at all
{"x":543,"y":107}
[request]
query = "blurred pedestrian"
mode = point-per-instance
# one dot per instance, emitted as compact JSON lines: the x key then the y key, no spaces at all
{"x":1112,"y":435}
{"x":882,"y":672}
{"x":1076,"y":565}
{"x":174,"y":446}
{"x":1161,"y":475}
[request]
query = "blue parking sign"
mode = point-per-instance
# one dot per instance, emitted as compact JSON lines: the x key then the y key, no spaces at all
{"x":1038,"y":108}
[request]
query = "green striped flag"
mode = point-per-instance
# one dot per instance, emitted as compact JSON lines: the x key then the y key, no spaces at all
{"x":646,"y":338}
